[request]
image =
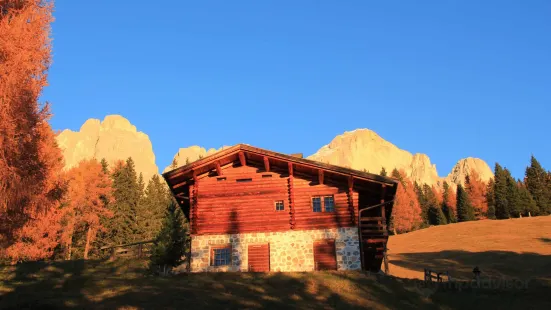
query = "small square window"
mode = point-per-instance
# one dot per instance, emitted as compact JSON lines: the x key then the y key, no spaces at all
{"x":221,"y":256}
{"x":316,"y":204}
{"x":279,"y":205}
{"x":329,"y":204}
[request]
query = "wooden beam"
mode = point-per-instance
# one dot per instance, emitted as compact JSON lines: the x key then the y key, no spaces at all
{"x":351,"y":200}
{"x":266,"y":164}
{"x":179,"y":185}
{"x":218,"y":168}
{"x":181,"y":196}
{"x":290,"y":166}
{"x":350,"y":183}
{"x":320,"y":176}
{"x":242,"y":159}
{"x":383,"y":194}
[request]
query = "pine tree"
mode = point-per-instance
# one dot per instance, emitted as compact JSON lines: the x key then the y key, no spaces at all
{"x":528,"y":204}
{"x":383,"y":172}
{"x":423,"y":203}
{"x":397,"y":175}
{"x":448,"y":201}
{"x":123,"y":227}
{"x":174,"y":164}
{"x":104,"y":166}
{"x":171,"y":242}
{"x":187,"y":160}
{"x":465,"y":211}
{"x":500,"y":193}
{"x":435,"y":214}
{"x":490,"y":200}
{"x":155,"y":200}
{"x":537,"y":182}
{"x":141,"y":211}
{"x":513,"y":196}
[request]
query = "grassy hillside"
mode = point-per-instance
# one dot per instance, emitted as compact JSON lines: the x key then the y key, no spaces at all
{"x":515,"y":248}
{"x":494,"y":246}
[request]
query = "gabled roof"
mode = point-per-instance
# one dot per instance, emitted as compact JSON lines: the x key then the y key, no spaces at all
{"x":179,"y":178}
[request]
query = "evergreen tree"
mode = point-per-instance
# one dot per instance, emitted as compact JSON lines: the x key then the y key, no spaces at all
{"x":123,"y":227}
{"x":141,"y":211}
{"x":423,"y":203}
{"x":465,"y":211}
{"x":174,"y":164}
{"x":537,"y":182}
{"x":500,"y":193}
{"x":513,"y":196}
{"x":447,"y":203}
{"x":104,"y":166}
{"x":528,"y":204}
{"x":490,"y":200}
{"x":383,"y":172}
{"x":171,"y":241}
{"x":187,"y":160}
{"x":156,"y":198}
{"x":397,"y":175}
{"x":435,"y":214}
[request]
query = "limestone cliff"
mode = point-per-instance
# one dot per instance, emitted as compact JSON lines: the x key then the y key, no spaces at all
{"x":114,"y":138}
{"x":464,"y":167}
{"x":364,"y":149}
{"x":191,"y":154}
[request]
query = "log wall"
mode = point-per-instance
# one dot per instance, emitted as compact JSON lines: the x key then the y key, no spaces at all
{"x":220,"y":204}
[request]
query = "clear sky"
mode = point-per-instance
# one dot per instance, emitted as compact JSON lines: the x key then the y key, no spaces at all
{"x":451,"y":79}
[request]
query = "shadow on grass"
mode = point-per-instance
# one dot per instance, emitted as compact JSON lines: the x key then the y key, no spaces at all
{"x":112,"y":285}
{"x":512,"y":280}
{"x":124,"y":284}
{"x":545,"y":240}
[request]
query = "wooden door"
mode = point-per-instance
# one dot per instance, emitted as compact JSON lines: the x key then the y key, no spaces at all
{"x":325,"y":256}
{"x":259,"y":257}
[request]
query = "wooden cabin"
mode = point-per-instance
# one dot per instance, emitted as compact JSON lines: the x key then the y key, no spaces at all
{"x":252,"y":209}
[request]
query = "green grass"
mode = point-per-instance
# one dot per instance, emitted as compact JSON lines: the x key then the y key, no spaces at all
{"x":125,"y":285}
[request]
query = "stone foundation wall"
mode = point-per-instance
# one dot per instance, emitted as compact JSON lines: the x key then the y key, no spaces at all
{"x":289,"y":250}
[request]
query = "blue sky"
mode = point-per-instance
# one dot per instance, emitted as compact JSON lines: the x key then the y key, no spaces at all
{"x":451,"y":79}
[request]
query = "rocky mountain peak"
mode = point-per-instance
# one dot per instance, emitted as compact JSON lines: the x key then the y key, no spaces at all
{"x":114,"y":138}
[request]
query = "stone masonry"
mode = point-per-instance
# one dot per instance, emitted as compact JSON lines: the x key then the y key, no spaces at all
{"x":289,"y":250}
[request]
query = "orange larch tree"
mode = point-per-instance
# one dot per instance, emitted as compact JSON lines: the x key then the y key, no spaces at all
{"x":476,"y":189}
{"x":29,"y":158}
{"x":89,"y":188}
{"x":406,"y":213}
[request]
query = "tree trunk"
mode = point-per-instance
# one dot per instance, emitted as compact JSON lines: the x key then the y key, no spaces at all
{"x":88,"y":239}
{"x":69,"y":245}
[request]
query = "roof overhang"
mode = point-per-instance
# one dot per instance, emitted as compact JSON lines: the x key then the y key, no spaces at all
{"x":181,"y":177}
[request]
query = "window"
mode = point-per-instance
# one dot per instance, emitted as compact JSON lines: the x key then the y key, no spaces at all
{"x":328,"y":204}
{"x":266,"y":175}
{"x":316,"y":204}
{"x":279,"y":205}
{"x":243,"y":180}
{"x":221,"y":179}
{"x":221,"y":256}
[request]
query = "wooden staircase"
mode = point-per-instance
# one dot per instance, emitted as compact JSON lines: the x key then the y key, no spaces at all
{"x":373,"y":237}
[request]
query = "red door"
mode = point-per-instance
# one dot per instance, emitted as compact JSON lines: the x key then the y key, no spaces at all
{"x":259,"y":257}
{"x":325,"y":257}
